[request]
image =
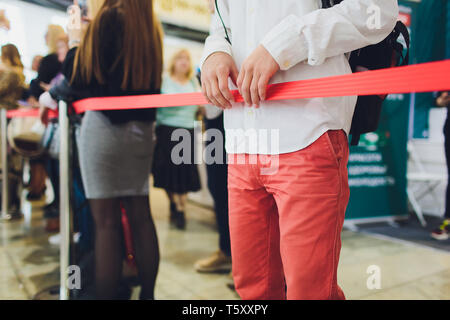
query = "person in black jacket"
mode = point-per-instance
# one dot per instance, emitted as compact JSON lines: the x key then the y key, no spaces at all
{"x":49,"y":68}
{"x":50,"y":65}
{"x":443,"y":232}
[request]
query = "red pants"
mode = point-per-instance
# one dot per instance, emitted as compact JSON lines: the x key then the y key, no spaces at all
{"x":285,"y":227}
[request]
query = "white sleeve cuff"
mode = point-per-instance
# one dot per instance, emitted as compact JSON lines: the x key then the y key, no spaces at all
{"x":215,"y":44}
{"x":47,"y":101}
{"x":285,"y":44}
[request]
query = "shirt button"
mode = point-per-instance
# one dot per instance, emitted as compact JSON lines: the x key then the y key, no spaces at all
{"x":286,"y":64}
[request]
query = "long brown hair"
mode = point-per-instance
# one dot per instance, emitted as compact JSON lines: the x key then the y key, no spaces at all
{"x":11,"y":56}
{"x":141,"y":50}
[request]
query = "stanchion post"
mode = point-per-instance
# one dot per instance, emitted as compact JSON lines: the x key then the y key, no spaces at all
{"x":4,"y":150}
{"x":64,"y":183}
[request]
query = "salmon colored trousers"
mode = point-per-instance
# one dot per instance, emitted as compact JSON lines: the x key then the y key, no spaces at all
{"x":286,"y":214}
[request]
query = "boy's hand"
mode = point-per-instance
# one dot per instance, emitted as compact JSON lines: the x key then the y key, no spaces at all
{"x":255,"y":74}
{"x":215,"y":73}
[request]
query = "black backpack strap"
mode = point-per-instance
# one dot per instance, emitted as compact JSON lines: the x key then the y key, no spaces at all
{"x":355,"y":139}
{"x":403,"y":30}
{"x":223,"y":24}
{"x":329,"y":3}
{"x":326,"y":4}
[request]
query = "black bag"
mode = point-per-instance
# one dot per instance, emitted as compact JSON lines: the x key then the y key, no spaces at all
{"x":386,"y":54}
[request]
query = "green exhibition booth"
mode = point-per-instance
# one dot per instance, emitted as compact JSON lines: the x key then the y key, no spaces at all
{"x":378,"y":165}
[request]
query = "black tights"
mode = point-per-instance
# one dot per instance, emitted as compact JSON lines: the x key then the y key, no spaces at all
{"x":109,"y":251}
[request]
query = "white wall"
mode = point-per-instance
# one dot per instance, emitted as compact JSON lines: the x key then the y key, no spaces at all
{"x":28,"y":27}
{"x":29,"y":24}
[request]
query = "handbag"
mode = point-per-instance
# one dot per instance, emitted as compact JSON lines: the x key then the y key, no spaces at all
{"x":25,"y":135}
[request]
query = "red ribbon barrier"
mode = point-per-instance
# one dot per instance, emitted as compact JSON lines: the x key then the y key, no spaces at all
{"x":28,"y":113}
{"x":425,"y":77}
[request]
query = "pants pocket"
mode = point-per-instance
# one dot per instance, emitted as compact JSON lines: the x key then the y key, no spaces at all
{"x":335,"y":139}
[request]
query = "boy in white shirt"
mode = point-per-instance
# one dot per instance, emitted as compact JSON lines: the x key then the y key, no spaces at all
{"x":288,"y":183}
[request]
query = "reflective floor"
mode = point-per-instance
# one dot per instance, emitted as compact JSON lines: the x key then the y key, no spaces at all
{"x":29,"y":264}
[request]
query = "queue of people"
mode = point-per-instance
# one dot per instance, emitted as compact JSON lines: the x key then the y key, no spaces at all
{"x":118,"y":150}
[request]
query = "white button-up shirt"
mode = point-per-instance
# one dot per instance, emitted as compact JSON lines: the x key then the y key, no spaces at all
{"x":307,"y":42}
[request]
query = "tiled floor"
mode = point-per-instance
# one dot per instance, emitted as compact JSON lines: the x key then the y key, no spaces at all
{"x":29,"y":264}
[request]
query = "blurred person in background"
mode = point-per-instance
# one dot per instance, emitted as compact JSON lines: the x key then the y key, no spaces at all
{"x":115,"y":58}
{"x":51,"y":210}
{"x":62,"y":47}
{"x":219,"y":261}
{"x":11,"y":61}
{"x":177,"y":179}
{"x":50,"y":65}
{"x":36,"y":62}
{"x":48,"y":70}
{"x":11,"y":89}
{"x":443,"y":232}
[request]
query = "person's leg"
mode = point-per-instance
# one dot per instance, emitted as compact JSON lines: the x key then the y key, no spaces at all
{"x":218,"y":187}
{"x":172,"y":207}
{"x":447,"y":156}
{"x":53,"y":174}
{"x":171,"y":198}
{"x":108,"y":246}
{"x":145,"y":242}
{"x":254,"y":231}
{"x":38,"y":175}
{"x":219,"y":261}
{"x":177,"y":215}
{"x":443,"y":231}
{"x":311,"y":191}
{"x":180,"y":201}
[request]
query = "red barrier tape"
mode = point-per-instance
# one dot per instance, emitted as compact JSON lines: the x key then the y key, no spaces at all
{"x":28,"y":113}
{"x":426,"y":77}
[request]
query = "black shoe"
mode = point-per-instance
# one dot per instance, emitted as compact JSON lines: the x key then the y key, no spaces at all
{"x":178,"y":220}
{"x":35,"y":196}
{"x":51,"y":212}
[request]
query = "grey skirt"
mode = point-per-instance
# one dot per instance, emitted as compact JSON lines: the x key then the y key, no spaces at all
{"x":115,"y":159}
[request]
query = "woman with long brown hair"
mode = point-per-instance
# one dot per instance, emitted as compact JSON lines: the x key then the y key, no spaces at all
{"x":10,"y":60}
{"x":120,"y":54}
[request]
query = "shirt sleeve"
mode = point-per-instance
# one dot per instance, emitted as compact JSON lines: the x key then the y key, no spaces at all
{"x":323,"y":33}
{"x":46,"y":100}
{"x":216,"y":41}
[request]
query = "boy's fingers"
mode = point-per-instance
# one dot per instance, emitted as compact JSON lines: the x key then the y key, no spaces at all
{"x":217,"y":94}
{"x":245,"y":88}
{"x":254,"y":91}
